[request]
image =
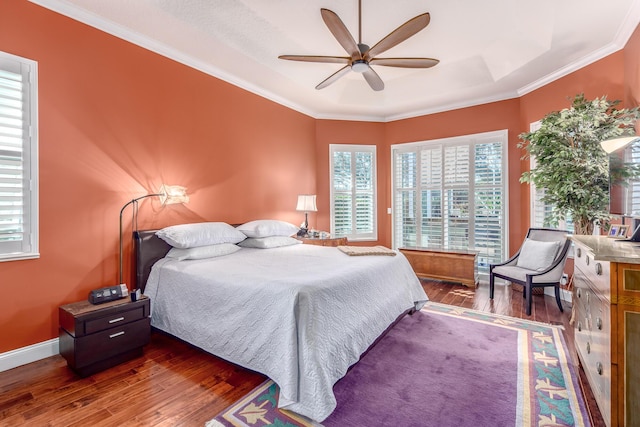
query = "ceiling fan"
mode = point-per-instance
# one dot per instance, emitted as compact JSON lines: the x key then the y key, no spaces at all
{"x":361,"y":57}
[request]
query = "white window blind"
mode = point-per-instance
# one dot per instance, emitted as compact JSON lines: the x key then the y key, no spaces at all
{"x":18,"y":158}
{"x":353,"y":191}
{"x":451,"y":194}
{"x":632,"y":155}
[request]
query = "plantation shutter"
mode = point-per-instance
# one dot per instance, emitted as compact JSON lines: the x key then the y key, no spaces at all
{"x":431,"y":226}
{"x":17,"y":159}
{"x":488,"y":202}
{"x":633,"y":197}
{"x":353,"y":192}
{"x":456,"y":190}
{"x":450,"y":194}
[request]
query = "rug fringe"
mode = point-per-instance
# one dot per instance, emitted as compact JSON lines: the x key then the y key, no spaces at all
{"x":501,"y":316}
{"x":213,"y":423}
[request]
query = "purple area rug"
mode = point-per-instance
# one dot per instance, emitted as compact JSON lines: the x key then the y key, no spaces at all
{"x":444,"y":366}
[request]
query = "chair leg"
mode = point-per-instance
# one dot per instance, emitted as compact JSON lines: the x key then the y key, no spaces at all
{"x":491,"y":284}
{"x":528,"y":289}
{"x":558,"y":300}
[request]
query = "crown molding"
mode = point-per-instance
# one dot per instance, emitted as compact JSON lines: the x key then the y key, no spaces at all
{"x":71,"y":11}
{"x":629,"y":24}
{"x":66,"y":8}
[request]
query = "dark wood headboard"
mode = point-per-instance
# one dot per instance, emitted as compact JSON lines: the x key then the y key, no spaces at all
{"x":149,"y":248}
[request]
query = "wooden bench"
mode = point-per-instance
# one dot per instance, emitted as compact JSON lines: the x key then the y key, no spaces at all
{"x":449,"y":265}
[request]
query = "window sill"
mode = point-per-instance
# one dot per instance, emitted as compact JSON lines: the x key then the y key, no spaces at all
{"x":19,"y":257}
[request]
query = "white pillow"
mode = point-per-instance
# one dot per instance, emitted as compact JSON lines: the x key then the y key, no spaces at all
{"x":537,"y":255}
{"x":267,"y":228}
{"x":269,"y":242}
{"x":202,"y":252}
{"x":200,"y":234}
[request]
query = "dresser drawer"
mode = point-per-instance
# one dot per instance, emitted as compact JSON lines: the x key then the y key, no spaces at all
{"x":592,"y":340}
{"x":596,"y":271}
{"x":105,"y":344}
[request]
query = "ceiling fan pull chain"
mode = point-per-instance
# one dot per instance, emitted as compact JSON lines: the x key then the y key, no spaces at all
{"x":359,"y":21}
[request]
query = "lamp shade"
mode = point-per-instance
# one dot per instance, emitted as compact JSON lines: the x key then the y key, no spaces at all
{"x":615,"y":144}
{"x":306,"y":203}
{"x":611,"y":145}
{"x":172,"y":194}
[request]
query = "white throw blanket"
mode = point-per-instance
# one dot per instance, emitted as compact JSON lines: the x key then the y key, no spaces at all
{"x":299,"y":314}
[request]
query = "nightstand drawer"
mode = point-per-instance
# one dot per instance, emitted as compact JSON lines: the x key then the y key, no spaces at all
{"x":105,"y":344}
{"x":82,"y":318}
{"x":114,"y":320}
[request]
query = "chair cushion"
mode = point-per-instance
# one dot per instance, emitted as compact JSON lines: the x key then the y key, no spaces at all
{"x":537,"y":255}
{"x":519,"y":275}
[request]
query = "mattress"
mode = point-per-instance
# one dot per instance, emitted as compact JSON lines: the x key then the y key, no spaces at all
{"x":299,"y":314}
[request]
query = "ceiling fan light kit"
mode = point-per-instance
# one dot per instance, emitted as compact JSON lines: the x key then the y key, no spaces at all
{"x":361,"y":57}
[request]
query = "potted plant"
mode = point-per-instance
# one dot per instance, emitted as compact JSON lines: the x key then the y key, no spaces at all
{"x":571,"y":166}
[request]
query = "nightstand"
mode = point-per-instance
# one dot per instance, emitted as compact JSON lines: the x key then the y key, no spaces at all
{"x":332,"y":241}
{"x":97,"y":337}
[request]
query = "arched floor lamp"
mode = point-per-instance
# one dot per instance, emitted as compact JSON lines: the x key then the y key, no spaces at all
{"x":169,"y":195}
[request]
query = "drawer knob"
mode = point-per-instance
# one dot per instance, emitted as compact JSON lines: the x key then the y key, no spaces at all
{"x":579,"y":252}
{"x":599,"y":368}
{"x":599,"y":269}
{"x":579,"y":326}
{"x":588,"y":348}
{"x":116,"y":320}
{"x":579,"y":293}
{"x":586,"y":260}
{"x":117,"y":334}
{"x":599,"y":323}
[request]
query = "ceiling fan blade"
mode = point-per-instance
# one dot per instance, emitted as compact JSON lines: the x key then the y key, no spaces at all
{"x":405,"y":62}
{"x":316,"y":58}
{"x":333,"y":77}
{"x":399,"y":35}
{"x":340,"y":32}
{"x":373,"y":79}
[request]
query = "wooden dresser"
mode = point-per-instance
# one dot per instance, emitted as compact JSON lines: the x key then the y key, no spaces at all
{"x":606,"y":303}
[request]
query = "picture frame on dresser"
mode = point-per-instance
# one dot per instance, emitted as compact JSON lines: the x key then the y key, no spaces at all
{"x":622,"y":231}
{"x":614,"y":231}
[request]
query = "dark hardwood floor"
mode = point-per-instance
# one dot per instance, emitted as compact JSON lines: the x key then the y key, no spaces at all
{"x":175,"y":384}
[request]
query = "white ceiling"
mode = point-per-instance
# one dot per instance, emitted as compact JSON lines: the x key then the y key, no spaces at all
{"x":488,"y":50}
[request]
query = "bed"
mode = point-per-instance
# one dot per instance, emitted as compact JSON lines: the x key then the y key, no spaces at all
{"x":301,"y":314}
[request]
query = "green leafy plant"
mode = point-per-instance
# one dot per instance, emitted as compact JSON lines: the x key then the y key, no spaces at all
{"x":571,"y":166}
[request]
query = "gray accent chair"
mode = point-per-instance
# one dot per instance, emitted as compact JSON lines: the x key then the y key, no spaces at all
{"x":518,"y":270}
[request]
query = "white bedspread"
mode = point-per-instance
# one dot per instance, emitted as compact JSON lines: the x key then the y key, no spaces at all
{"x":299,"y":314}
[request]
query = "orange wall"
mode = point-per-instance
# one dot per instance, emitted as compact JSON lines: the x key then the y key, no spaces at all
{"x":116,"y":121}
{"x":632,"y":71}
{"x":465,"y":121}
{"x":602,"y":78}
{"x":349,"y":132}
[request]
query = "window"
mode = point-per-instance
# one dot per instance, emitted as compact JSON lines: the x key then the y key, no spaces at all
{"x":18,"y":158}
{"x":632,"y":200}
{"x":450,"y":194}
{"x":540,"y":211}
{"x":353,"y":191}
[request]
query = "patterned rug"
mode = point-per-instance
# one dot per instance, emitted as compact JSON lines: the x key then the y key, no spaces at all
{"x":443,"y":366}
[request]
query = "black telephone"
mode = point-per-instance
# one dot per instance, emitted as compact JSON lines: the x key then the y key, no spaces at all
{"x":111,"y":293}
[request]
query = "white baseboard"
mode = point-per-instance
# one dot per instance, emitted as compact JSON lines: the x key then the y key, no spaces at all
{"x":22,"y":356}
